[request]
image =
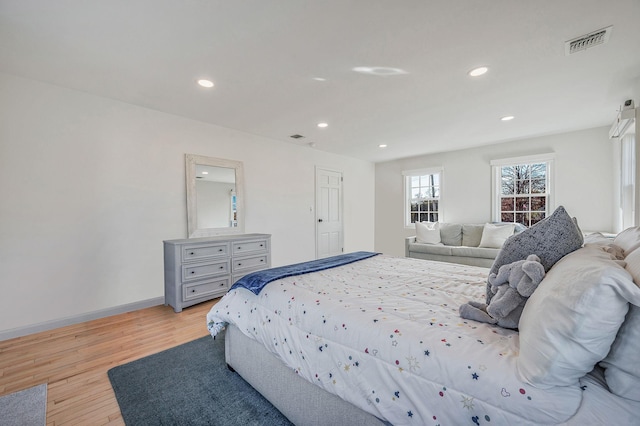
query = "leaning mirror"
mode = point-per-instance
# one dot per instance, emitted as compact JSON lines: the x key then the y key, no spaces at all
{"x":215,"y":204}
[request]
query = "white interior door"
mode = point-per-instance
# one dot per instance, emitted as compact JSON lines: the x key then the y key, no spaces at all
{"x":329,"y":232}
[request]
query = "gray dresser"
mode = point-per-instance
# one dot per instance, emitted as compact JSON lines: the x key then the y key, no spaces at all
{"x":200,"y":269}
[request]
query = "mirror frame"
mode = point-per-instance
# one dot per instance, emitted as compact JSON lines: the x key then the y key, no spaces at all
{"x":191,"y":161}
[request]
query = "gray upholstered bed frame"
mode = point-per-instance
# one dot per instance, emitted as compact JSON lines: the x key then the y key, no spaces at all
{"x":302,"y":402}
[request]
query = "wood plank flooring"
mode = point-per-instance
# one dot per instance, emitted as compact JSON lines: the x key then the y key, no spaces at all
{"x":74,"y":360}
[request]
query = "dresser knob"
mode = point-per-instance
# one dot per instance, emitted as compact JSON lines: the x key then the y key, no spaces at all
{"x":222,"y":267}
{"x":192,"y":253}
{"x":239,"y":264}
{"x":193,"y":291}
{"x":193,"y":272}
{"x":261,"y":260}
{"x":220,"y":250}
{"x":261,"y":245}
{"x":239,"y":247}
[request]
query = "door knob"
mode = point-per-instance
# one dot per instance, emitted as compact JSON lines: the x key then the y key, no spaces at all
{"x":319,"y":220}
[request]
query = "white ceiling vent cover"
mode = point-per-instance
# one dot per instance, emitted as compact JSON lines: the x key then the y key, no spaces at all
{"x":588,"y":40}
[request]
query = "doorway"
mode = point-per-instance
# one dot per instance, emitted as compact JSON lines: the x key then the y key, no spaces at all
{"x":329,"y":226}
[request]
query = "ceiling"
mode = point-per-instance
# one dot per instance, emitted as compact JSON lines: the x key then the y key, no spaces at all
{"x":265,"y":57}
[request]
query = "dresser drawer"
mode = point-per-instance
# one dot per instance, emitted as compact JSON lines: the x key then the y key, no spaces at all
{"x":208,"y":288}
{"x":242,"y":247}
{"x":204,"y":252}
{"x":250,"y":263}
{"x":198,"y":271}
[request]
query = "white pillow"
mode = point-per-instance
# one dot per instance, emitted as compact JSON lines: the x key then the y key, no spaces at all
{"x":571,"y":320}
{"x":428,"y":232}
{"x":494,"y":235}
{"x":633,"y":266}
{"x":628,"y":240}
{"x":622,"y":369}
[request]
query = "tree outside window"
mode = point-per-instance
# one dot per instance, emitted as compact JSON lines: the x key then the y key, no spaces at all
{"x":523,"y":190}
{"x":423,"y":191}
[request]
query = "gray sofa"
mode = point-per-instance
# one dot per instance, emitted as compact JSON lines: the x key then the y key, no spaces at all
{"x":459,"y":245}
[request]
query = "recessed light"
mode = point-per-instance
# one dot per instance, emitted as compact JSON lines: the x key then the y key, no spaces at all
{"x":205,"y":83}
{"x":476,"y":72}
{"x":382,"y":145}
{"x":323,"y":125}
{"x":319,"y":79}
{"x":380,"y":71}
{"x":507,"y":118}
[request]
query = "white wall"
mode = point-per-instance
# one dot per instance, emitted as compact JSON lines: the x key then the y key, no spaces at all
{"x":584,"y":170}
{"x":90,"y":187}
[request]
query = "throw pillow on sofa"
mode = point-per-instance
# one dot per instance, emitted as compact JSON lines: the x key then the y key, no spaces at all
{"x":495,"y":235}
{"x":428,"y":232}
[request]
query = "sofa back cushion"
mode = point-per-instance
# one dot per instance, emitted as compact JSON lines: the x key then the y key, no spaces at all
{"x":451,"y":234}
{"x":472,"y":234}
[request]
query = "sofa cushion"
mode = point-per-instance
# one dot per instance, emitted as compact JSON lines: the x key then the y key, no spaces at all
{"x":451,"y":234}
{"x":480,"y":252}
{"x":494,"y":235}
{"x":472,"y":234}
{"x":428,"y":232}
{"x":440,"y":249}
{"x":550,"y":239}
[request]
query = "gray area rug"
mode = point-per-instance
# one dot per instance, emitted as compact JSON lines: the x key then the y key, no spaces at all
{"x":189,"y":385}
{"x":25,"y":408}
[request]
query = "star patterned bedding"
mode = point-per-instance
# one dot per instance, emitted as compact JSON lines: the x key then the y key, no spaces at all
{"x":384,"y":334}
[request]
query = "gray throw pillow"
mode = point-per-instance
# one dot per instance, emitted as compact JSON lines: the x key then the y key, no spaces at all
{"x":550,"y":239}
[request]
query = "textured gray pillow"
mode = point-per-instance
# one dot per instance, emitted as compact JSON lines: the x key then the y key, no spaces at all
{"x":551,"y":239}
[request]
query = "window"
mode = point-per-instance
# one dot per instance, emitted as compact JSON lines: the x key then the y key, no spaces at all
{"x":422,"y":195}
{"x":627,"y":181}
{"x":522,"y":189}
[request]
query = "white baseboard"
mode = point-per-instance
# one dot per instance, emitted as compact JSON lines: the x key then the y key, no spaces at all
{"x":76,"y":319}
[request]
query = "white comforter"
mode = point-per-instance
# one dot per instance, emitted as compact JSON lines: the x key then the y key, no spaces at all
{"x":384,"y":334}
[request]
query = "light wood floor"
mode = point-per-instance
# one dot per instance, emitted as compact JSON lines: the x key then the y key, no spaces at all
{"x":74,"y":360}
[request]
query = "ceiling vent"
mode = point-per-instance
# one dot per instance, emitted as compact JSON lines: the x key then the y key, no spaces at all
{"x":588,"y":40}
{"x":296,"y":136}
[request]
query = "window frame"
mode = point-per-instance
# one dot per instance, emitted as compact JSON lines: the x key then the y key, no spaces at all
{"x":496,"y":177}
{"x":406,"y":177}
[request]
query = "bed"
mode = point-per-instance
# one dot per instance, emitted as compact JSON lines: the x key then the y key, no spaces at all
{"x":379,"y":341}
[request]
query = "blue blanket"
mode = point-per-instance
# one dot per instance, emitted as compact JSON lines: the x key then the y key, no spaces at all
{"x":256,"y":281}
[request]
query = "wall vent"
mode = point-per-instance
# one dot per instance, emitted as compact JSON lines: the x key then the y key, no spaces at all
{"x":588,"y":40}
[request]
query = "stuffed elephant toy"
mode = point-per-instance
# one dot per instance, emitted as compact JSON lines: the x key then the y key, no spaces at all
{"x":512,"y":286}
